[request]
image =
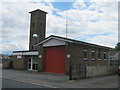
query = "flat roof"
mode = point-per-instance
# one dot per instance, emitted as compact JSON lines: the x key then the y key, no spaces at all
{"x":25,"y":51}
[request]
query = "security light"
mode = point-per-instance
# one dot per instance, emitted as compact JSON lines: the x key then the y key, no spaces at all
{"x":68,"y":56}
{"x":35,"y":35}
{"x":40,"y":56}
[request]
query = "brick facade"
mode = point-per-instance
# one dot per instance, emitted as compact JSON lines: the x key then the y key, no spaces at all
{"x":38,"y":27}
{"x":75,"y":50}
{"x":76,"y":53}
{"x":76,"y":56}
{"x":20,"y":63}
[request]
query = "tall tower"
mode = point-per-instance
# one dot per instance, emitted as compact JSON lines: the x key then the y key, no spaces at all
{"x":37,"y":28}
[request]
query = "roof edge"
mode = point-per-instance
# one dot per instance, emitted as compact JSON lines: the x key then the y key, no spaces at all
{"x":38,"y":10}
{"x":71,"y":41}
{"x":25,"y":51}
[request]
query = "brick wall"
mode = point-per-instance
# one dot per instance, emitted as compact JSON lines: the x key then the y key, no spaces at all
{"x":20,"y":63}
{"x":76,"y":52}
{"x":41,"y":59}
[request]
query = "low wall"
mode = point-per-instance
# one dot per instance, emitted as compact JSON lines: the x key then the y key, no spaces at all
{"x":80,"y":71}
{"x":93,"y":71}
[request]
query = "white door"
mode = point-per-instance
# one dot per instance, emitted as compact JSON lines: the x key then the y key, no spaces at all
{"x":32,"y":64}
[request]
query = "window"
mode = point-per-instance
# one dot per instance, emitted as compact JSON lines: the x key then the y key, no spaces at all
{"x":85,"y":54}
{"x":29,"y":60}
{"x":19,"y":57}
{"x":105,"y":55}
{"x":99,"y":55}
{"x":93,"y":55}
{"x":33,"y":24}
{"x":41,"y":24}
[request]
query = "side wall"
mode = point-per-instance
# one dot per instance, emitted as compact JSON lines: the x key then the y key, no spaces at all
{"x":76,"y":54}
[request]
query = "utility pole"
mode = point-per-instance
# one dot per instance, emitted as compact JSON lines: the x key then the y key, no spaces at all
{"x":68,"y":55}
{"x":66,"y":25}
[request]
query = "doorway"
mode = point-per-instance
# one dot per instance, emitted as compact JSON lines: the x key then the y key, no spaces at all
{"x":32,"y":64}
{"x":55,"y":59}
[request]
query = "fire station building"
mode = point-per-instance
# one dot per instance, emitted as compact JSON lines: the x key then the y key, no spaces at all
{"x":55,"y":53}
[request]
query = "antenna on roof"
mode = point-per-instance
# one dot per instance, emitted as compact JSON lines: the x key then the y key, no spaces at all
{"x":66,"y":25}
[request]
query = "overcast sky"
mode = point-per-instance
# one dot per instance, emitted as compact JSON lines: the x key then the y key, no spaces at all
{"x":93,"y":21}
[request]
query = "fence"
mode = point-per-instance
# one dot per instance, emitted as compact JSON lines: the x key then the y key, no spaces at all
{"x":80,"y":71}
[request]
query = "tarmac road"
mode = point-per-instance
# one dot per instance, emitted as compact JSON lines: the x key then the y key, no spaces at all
{"x":60,"y":81}
{"x":7,"y":83}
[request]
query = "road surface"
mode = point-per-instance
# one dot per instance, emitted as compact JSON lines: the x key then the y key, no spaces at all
{"x":7,"y":83}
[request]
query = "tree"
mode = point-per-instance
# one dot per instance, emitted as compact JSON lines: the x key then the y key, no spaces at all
{"x":117,"y":47}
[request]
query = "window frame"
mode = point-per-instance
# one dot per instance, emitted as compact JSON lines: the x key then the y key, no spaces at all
{"x":105,"y":53}
{"x":93,"y":59}
{"x":99,"y":53}
{"x":85,"y":58}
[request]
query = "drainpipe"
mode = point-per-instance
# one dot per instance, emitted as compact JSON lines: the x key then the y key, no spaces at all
{"x":70,"y":67}
{"x":70,"y":71}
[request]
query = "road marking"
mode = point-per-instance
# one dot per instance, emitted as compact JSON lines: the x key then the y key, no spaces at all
{"x":30,"y":83}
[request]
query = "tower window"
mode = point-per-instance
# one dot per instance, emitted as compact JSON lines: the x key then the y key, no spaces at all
{"x":33,"y":24}
{"x":41,"y":24}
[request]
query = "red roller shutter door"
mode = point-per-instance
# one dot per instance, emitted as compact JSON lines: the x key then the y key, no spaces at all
{"x":55,"y":59}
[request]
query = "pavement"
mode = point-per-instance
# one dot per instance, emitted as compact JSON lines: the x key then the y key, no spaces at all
{"x":51,"y":80}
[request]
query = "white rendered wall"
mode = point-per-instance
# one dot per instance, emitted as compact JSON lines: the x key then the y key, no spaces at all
{"x":25,"y":53}
{"x":53,"y":42}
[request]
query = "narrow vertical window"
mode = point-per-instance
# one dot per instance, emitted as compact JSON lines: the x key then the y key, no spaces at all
{"x":85,"y":54}
{"x":93,"y":55}
{"x":41,"y":24}
{"x":99,"y":55}
{"x":105,"y":55}
{"x":33,"y":24}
